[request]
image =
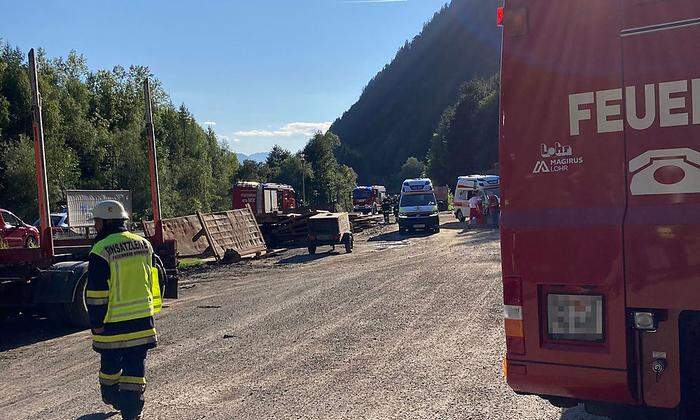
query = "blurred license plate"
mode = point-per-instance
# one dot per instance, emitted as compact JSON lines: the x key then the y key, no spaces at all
{"x":419,"y":226}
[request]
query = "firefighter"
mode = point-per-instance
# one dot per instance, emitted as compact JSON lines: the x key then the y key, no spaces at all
{"x":387,"y":205}
{"x":122,"y":296}
{"x":494,"y":209}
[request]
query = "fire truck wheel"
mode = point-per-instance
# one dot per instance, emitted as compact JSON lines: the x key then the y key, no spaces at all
{"x":312,"y":249}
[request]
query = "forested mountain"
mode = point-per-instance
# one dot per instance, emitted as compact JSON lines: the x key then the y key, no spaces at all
{"x":466,"y":139}
{"x":401,"y":107}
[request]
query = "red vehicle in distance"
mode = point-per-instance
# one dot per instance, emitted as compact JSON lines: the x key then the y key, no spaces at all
{"x":14,"y":233}
{"x":368,"y":199}
{"x":264,"y":198}
{"x":600,"y":229}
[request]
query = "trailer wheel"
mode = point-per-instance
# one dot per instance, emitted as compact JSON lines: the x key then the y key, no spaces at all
{"x":349,"y":244}
{"x":76,"y":313}
{"x":312,"y":249}
{"x":162,"y":276}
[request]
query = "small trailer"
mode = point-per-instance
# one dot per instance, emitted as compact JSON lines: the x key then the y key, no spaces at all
{"x":52,"y":278}
{"x":330,"y":229}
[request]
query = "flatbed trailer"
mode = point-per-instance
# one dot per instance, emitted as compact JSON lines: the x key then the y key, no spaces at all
{"x":600,"y":164}
{"x":52,"y":278}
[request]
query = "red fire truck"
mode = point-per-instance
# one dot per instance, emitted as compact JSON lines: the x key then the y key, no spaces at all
{"x":600,"y":157}
{"x":368,"y":199}
{"x":264,"y":198}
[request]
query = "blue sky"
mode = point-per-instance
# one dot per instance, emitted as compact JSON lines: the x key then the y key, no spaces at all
{"x":261,"y":72}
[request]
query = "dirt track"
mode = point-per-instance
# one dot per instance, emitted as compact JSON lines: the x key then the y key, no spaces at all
{"x":402,"y":328}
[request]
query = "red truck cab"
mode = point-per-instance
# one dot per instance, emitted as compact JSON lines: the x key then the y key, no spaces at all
{"x":600,"y":229}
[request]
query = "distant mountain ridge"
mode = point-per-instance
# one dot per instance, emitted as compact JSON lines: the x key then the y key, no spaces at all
{"x":256,"y":157}
{"x":401,"y":106}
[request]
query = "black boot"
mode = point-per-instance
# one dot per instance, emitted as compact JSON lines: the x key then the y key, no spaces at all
{"x":110,"y":395}
{"x":131,"y":404}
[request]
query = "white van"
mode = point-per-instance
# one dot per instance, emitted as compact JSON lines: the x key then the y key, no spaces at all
{"x":467,"y":186}
{"x":418,"y":207}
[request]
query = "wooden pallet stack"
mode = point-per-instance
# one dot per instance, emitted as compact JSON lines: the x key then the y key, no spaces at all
{"x":361,"y":222}
{"x":290,"y":229}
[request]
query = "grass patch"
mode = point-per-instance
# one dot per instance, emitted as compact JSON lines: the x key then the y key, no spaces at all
{"x":185,"y":263}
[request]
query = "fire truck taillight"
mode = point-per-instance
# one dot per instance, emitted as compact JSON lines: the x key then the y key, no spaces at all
{"x":513,"y":314}
{"x":575,"y":317}
{"x":515,"y":21}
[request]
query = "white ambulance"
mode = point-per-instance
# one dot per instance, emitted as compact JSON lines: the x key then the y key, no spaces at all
{"x":418,"y":206}
{"x":468,"y":186}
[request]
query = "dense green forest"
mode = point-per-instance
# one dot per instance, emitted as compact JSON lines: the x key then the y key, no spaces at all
{"x":466,"y":139}
{"x":95,"y":139}
{"x":401,"y":107}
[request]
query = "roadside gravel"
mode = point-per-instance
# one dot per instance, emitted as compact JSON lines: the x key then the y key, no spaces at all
{"x":404,"y":327}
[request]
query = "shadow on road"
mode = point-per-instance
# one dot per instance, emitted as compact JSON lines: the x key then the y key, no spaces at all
{"x":304,"y":258}
{"x":25,"y":330}
{"x":578,"y":413}
{"x":457,"y":225}
{"x":98,"y":416}
{"x":395,"y":236}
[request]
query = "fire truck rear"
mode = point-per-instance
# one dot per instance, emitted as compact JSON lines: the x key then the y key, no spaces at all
{"x":600,"y":157}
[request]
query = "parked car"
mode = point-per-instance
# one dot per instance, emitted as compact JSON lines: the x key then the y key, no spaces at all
{"x":330,"y":229}
{"x":15,"y":233}
{"x":58,"y":220}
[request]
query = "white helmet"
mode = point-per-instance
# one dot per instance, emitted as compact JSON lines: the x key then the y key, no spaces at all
{"x":109,"y":210}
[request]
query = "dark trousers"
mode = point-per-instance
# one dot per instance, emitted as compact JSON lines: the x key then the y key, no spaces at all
{"x":123,"y":379}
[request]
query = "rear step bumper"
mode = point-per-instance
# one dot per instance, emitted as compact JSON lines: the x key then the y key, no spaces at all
{"x":580,"y":383}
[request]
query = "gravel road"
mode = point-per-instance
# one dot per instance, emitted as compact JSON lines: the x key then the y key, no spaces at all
{"x":404,"y":327}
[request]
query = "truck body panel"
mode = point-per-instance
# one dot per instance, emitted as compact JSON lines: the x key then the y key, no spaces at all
{"x":263,"y":198}
{"x":599,"y":141}
{"x":661,"y":65}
